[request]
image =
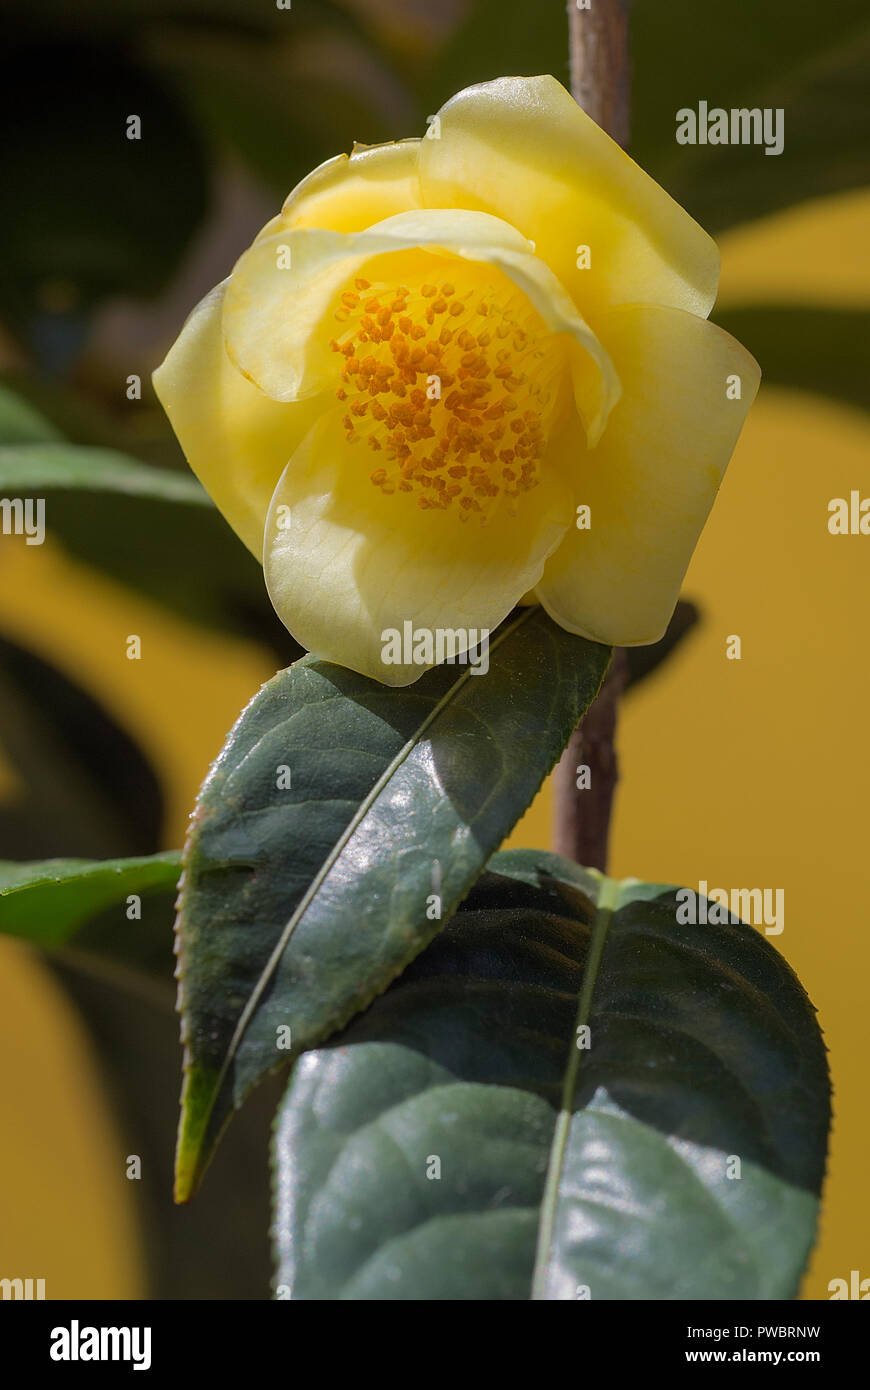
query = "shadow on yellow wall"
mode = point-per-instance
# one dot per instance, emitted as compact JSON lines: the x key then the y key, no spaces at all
{"x":744,"y":773}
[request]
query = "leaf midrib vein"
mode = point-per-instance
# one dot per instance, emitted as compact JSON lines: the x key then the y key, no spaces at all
{"x":607,"y":900}
{"x":331,"y":859}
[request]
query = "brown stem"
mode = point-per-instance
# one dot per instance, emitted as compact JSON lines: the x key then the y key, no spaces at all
{"x":600,"y":66}
{"x":600,"y":75}
{"x":582,"y":814}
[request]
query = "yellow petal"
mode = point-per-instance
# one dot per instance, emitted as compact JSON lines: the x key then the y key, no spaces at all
{"x":521,"y":148}
{"x":344,"y":563}
{"x":283,"y":296}
{"x":350,"y":192}
{"x":596,"y":385}
{"x":236,"y":440}
{"x":454,"y":227}
{"x":652,"y":480}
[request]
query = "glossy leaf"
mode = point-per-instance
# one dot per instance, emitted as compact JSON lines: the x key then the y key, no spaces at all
{"x":301,"y":903}
{"x":465,"y":1139}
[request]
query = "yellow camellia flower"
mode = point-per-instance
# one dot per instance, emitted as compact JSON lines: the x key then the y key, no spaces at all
{"x":436,"y":354}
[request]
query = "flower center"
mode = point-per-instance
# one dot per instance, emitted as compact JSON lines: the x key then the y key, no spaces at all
{"x":453,"y":389}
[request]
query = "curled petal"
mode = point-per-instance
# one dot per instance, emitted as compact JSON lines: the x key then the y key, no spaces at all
{"x":351,"y":192}
{"x":281,"y":300}
{"x":521,"y":148}
{"x":652,"y":480}
{"x":236,"y":440}
{"x":345,"y":564}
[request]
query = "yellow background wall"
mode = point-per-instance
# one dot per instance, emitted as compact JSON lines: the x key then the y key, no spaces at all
{"x":749,"y":773}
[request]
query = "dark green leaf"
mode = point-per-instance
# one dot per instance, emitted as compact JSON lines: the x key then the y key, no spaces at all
{"x":780,"y":54}
{"x":805,"y":348}
{"x":566,"y":1171}
{"x":300,"y":904}
{"x":86,"y":789}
